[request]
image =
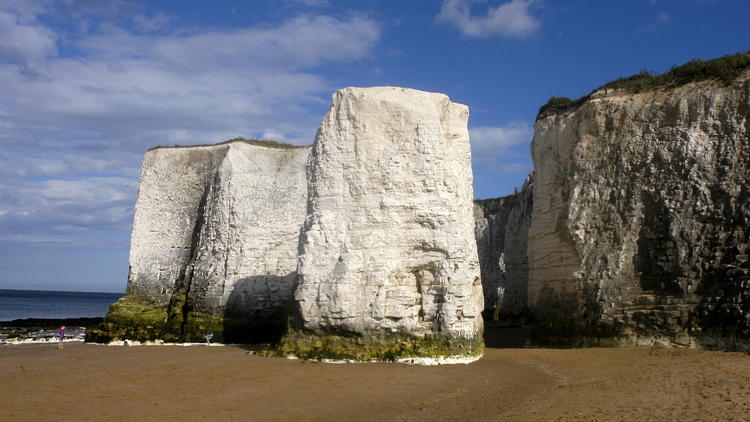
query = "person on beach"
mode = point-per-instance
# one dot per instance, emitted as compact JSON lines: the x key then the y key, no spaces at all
{"x":62,"y":336}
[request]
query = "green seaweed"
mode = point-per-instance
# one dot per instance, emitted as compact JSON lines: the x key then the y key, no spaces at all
{"x":306,"y":345}
{"x":133,"y":319}
{"x":199,"y":324}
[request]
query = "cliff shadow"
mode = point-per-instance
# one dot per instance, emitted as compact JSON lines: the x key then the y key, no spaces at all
{"x":503,"y":335}
{"x":656,"y":259}
{"x":258,"y":309}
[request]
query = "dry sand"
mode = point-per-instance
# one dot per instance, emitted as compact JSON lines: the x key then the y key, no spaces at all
{"x":85,"y":382}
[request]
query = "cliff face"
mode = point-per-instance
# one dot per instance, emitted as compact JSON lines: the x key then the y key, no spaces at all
{"x":502,"y":226}
{"x":641,"y":217}
{"x":171,"y":200}
{"x":388,"y":261}
{"x":214,"y":242}
{"x":634,"y":228}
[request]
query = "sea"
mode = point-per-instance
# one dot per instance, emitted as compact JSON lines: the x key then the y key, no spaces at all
{"x":17,"y":304}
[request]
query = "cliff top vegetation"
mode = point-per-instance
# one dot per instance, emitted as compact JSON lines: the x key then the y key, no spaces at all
{"x":258,"y":142}
{"x":724,"y":69}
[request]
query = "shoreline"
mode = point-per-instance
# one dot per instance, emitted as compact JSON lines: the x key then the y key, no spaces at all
{"x":80,"y":338}
{"x":44,"y":330}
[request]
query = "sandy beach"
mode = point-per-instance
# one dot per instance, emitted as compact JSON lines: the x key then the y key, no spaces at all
{"x":86,"y":382}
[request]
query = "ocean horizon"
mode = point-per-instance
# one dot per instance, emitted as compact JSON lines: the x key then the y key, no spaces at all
{"x":49,"y":304}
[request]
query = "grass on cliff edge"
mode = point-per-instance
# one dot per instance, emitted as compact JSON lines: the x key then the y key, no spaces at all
{"x":258,"y":142}
{"x":724,"y":69}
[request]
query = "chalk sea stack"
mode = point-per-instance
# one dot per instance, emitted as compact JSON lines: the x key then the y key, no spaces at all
{"x":214,"y":243}
{"x":385,"y":265}
{"x":388,"y":263}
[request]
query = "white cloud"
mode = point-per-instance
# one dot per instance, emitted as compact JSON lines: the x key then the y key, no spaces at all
{"x":24,"y":42}
{"x":33,"y":239}
{"x":301,"y":42}
{"x":501,"y":149}
{"x":512,"y":167}
{"x":511,"y":19}
{"x":58,"y":209}
{"x":74,"y":126}
{"x":26,"y":11}
{"x":489,"y":141}
{"x":312,"y":3}
{"x":151,"y":23}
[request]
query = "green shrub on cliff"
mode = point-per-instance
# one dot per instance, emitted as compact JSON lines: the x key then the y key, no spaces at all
{"x":559,"y":104}
{"x":724,"y":69}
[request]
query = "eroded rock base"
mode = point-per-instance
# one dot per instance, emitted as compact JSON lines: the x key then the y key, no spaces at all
{"x":391,"y":348}
{"x":132,"y":319}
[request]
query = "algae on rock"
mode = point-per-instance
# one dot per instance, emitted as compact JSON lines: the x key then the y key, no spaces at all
{"x":390,"y":348}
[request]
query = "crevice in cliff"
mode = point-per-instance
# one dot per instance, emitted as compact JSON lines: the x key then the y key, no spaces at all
{"x":180,"y":305}
{"x":418,"y":279}
{"x":656,"y":260}
{"x":502,"y":226}
{"x":431,"y":295}
{"x":230,"y":226}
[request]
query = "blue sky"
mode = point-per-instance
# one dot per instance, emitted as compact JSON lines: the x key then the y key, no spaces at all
{"x":88,"y":85}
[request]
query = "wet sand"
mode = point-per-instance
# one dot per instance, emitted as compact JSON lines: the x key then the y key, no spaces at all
{"x":85,"y":382}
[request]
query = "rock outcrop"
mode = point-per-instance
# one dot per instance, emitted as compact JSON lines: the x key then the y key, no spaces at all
{"x":634,"y":227}
{"x":214,"y":243}
{"x":502,"y":228}
{"x":388,"y":264}
{"x":641,"y":220}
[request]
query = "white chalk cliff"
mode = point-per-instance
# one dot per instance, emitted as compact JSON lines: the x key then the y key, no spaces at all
{"x":640,"y":227}
{"x":388,"y":244}
{"x":215,"y":231}
{"x":633,"y":228}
